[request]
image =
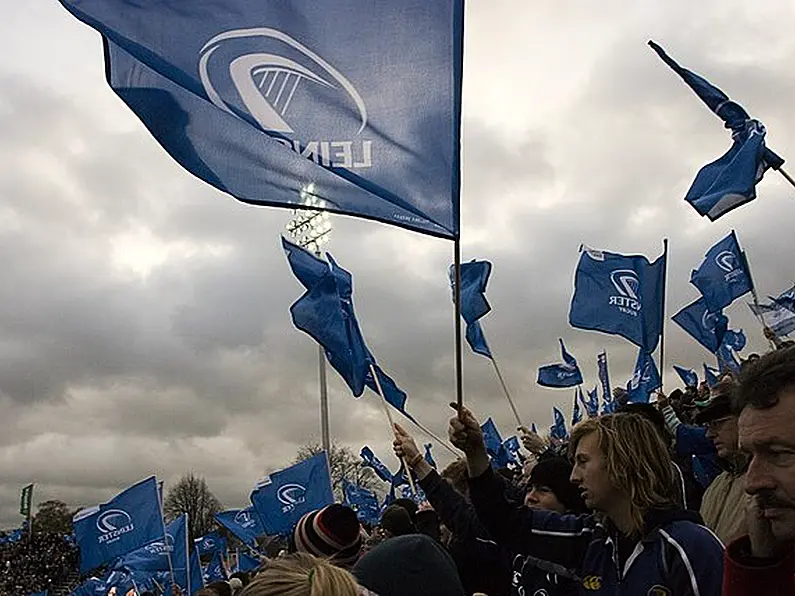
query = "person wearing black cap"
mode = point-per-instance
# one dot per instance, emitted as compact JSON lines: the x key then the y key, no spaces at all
{"x":549,"y":487}
{"x":333,"y":533}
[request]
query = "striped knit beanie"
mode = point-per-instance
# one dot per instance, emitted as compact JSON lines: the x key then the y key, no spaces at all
{"x":332,"y":532}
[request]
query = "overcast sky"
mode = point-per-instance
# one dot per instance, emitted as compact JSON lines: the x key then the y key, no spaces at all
{"x":144,"y":322}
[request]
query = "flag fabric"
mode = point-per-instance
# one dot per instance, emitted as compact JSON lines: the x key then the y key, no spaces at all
{"x":604,"y":376}
{"x":494,"y":444}
{"x":372,"y":461}
{"x":196,"y":574}
{"x":779,"y":319}
{"x":216,"y":571}
{"x":723,"y":275}
{"x":513,"y":450}
{"x":711,"y":376}
{"x":730,"y":181}
{"x":558,"y":429}
{"x":576,"y":414}
{"x":786,"y":299}
{"x":209,"y":543}
{"x":259,"y":101}
{"x":128,"y":521}
{"x":363,"y":501}
{"x":243,"y":523}
{"x":727,"y":359}
{"x":689,"y":376}
{"x":246,"y":563}
{"x":474,"y":278}
{"x":565,"y":374}
{"x":592,"y":405}
{"x":325,"y":312}
{"x":707,"y":328}
{"x":429,"y":456}
{"x":25,"y":499}
{"x":645,"y":379}
{"x":282,"y":498}
{"x":620,"y":295}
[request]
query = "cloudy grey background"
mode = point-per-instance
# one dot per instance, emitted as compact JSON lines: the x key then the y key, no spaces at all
{"x":143,"y":315}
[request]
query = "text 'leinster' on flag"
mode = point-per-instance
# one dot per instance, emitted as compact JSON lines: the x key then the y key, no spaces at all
{"x":730,"y":181}
{"x":564,"y":374}
{"x":620,"y":295}
{"x":259,"y":100}
{"x":723,"y":275}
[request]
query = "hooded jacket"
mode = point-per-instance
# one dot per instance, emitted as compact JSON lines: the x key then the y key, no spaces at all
{"x":676,"y":554}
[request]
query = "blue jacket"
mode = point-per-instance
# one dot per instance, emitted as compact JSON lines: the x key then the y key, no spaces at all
{"x":676,"y":556}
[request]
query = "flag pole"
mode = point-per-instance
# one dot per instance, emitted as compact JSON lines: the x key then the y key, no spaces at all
{"x":165,"y":536}
{"x":505,"y":390}
{"x":754,"y":293}
{"x":664,"y":317}
{"x":787,"y":177}
{"x":433,"y":436}
{"x":459,"y":380}
{"x":392,"y":425}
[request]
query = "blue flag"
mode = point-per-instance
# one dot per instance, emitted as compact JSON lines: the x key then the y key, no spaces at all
{"x":474,"y":278}
{"x":645,"y":379}
{"x":727,"y":359}
{"x":210,"y":543}
{"x":513,"y":449}
{"x":778,"y":318}
{"x":126,"y":522}
{"x":576,"y":414}
{"x":325,"y":312}
{"x":604,"y":376}
{"x":243,"y":523}
{"x":736,"y":340}
{"x":565,"y":374}
{"x":730,"y":181}
{"x":216,"y":571}
{"x":592,"y":405}
{"x":494,"y":444}
{"x":372,"y":461}
{"x":706,"y":327}
{"x":723,"y":276}
{"x":258,"y":101}
{"x":689,"y":377}
{"x":429,"y":455}
{"x":558,"y":429}
{"x":285,"y":496}
{"x":620,"y":295}
{"x":363,"y":501}
{"x":711,"y":376}
{"x":246,"y":562}
{"x":196,"y":574}
{"x":786,"y":299}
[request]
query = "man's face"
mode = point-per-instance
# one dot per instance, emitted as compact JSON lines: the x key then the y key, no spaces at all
{"x":769,"y":437}
{"x":723,"y":434}
{"x":589,"y":474}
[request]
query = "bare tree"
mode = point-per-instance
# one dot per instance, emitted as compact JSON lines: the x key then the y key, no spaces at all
{"x":53,"y":516}
{"x":192,"y":496}
{"x":344,"y":464}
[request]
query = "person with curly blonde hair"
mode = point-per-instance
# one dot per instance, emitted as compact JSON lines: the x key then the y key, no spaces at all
{"x":301,"y":574}
{"x":636,"y":541}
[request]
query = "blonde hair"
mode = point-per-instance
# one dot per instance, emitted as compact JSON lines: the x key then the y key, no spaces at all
{"x":635,"y":459}
{"x":302,"y":574}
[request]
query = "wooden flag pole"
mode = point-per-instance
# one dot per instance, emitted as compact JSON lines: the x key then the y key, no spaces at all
{"x":505,"y":390}
{"x":787,"y":177}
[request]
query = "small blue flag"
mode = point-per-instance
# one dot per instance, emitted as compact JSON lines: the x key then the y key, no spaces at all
{"x":576,"y":414}
{"x":604,"y":376}
{"x":474,"y":306}
{"x":730,"y":181}
{"x":711,"y":376}
{"x":372,"y":461}
{"x":786,"y":299}
{"x":246,"y":562}
{"x":216,"y":571}
{"x":558,"y":429}
{"x":196,"y":574}
{"x":727,"y":359}
{"x":513,"y":449}
{"x":260,"y":100}
{"x":429,"y":456}
{"x":620,"y":295}
{"x":363,"y":501}
{"x":779,"y":319}
{"x":592,"y":405}
{"x":645,"y":379}
{"x":243,"y":523}
{"x":494,"y":444}
{"x":706,"y":327}
{"x":723,"y":276}
{"x":689,"y":377}
{"x":285,"y":496}
{"x":128,"y":521}
{"x":565,"y":374}
{"x":209,"y":543}
{"x":735,"y":340}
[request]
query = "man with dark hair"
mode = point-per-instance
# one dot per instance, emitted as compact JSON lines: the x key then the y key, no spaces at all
{"x":763,"y":560}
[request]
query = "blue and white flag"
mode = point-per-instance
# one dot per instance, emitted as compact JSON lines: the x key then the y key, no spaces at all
{"x":494,"y":444}
{"x":620,"y":295}
{"x":216,"y":570}
{"x":126,"y":522}
{"x":689,"y":377}
{"x":558,"y":429}
{"x":209,"y":543}
{"x":727,"y":359}
{"x":282,"y":498}
{"x":243,"y":523}
{"x":474,"y":306}
{"x":592,"y":405}
{"x":706,"y":327}
{"x":645,"y":379}
{"x":786,"y":299}
{"x":363,"y":501}
{"x":565,"y":374}
{"x":429,"y":456}
{"x":604,"y":376}
{"x":723,"y":276}
{"x":779,"y":319}
{"x":731,"y":180}
{"x":711,"y":376}
{"x":576,"y":414}
{"x":735,"y":339}
{"x":372,"y":461}
{"x":513,"y":449}
{"x":246,"y":563}
{"x":262,"y":100}
{"x":325,"y":312}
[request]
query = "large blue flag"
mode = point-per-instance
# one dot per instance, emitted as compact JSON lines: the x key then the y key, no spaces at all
{"x":260,"y":100}
{"x":706,"y":327}
{"x":592,"y":405}
{"x":126,"y":522}
{"x":723,"y":276}
{"x":325,"y":312}
{"x":604,"y":376}
{"x":730,"y":181}
{"x":285,"y":496}
{"x":645,"y":379}
{"x":779,"y":319}
{"x":558,"y":429}
{"x":474,"y":278}
{"x":689,"y":377}
{"x":372,"y":461}
{"x":209,"y":543}
{"x":564,"y":374}
{"x":363,"y":501}
{"x":621,"y":295}
{"x":243,"y":523}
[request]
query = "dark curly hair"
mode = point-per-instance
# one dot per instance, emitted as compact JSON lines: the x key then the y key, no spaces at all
{"x":762,"y":381}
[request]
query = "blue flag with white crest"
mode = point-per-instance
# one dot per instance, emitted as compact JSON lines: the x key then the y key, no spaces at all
{"x":592,"y":405}
{"x":779,"y":319}
{"x":513,"y":449}
{"x":711,"y":376}
{"x":707,"y":328}
{"x":363,"y":501}
{"x":730,"y":181}
{"x":216,"y":570}
{"x":162,"y":555}
{"x":209,"y":543}
{"x":558,"y":429}
{"x":282,"y":498}
{"x":723,"y":276}
{"x":243,"y":523}
{"x":262,"y":99}
{"x":474,"y":278}
{"x":564,"y":374}
{"x":645,"y":379}
{"x":727,"y":359}
{"x":372,"y":461}
{"x":689,"y":376}
{"x":786,"y":299}
{"x":620,"y":295}
{"x":735,"y":339}
{"x":129,"y":520}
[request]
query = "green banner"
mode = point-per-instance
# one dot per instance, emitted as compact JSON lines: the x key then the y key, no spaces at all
{"x":25,"y":500}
